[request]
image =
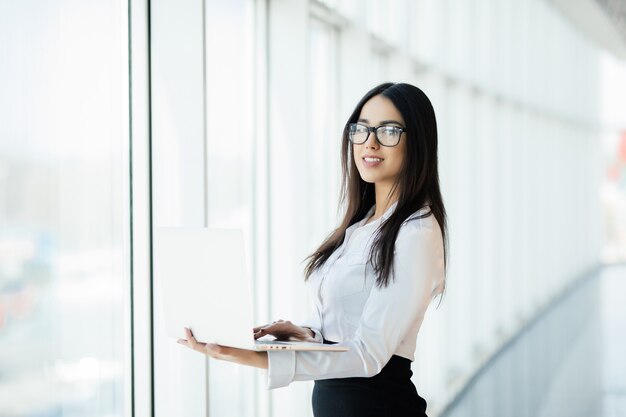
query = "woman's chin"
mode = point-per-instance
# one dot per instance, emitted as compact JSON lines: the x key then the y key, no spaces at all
{"x":368,"y":175}
{"x":369,"y":179}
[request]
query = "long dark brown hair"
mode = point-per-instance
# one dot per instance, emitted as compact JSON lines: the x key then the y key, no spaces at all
{"x":416,"y":185}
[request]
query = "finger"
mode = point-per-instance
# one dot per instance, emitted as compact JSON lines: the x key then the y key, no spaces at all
{"x":256,"y":329}
{"x":261,"y":331}
{"x":272,"y":328}
{"x":195,"y":345}
{"x":190,"y":337}
{"x":267,"y":327}
{"x":189,"y":334}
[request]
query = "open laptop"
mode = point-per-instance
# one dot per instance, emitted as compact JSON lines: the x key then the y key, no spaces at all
{"x":205,"y":286}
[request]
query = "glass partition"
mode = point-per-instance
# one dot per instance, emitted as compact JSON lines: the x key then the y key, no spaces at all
{"x":64,"y":209}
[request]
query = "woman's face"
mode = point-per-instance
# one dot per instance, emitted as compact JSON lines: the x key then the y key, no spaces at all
{"x":379,"y":110}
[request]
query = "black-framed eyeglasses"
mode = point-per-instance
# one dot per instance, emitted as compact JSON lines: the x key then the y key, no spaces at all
{"x":386,"y":135}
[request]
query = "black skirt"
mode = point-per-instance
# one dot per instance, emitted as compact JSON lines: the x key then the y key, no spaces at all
{"x":391,"y":393}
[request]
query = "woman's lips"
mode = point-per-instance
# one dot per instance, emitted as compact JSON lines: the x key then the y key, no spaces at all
{"x":372,"y":161}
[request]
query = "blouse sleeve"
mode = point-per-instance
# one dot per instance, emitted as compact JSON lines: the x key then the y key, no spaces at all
{"x":387,"y":316}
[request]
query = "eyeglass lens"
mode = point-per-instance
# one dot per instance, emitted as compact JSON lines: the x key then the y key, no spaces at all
{"x":387,"y":135}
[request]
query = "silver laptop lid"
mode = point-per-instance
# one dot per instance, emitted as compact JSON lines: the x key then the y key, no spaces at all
{"x":203,"y":278}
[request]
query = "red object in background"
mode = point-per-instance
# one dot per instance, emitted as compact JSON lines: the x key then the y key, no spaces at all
{"x":621,"y":149}
{"x":3,"y":314}
{"x":23,"y":302}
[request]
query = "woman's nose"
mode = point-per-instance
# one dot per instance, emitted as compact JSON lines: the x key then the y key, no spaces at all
{"x":371,"y":141}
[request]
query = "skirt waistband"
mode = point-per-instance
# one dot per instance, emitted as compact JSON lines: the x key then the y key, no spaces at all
{"x":397,"y":367}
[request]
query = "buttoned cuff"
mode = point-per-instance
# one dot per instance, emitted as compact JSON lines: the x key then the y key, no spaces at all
{"x":281,"y":368}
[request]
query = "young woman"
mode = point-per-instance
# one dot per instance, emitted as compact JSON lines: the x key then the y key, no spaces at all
{"x":375,"y":275}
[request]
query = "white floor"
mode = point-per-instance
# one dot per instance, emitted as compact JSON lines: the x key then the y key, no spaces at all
{"x":571,"y":362}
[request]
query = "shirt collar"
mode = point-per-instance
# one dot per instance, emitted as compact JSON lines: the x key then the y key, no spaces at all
{"x":386,"y":214}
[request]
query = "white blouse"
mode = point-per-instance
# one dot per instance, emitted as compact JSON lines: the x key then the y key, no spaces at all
{"x":375,"y":323}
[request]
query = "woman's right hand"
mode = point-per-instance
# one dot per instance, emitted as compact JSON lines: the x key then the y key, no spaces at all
{"x":284,"y":330}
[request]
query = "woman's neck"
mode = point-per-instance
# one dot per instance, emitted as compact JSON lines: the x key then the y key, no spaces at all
{"x":383,"y":201}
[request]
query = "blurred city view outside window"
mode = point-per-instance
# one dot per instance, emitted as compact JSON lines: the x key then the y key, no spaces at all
{"x":613,"y":192}
{"x":64,"y":209}
{"x":614,"y":198}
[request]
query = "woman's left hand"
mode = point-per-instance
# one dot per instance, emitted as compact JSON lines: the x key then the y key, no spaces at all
{"x":227,"y":353}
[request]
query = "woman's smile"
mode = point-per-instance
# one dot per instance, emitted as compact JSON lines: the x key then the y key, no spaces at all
{"x":372,"y":161}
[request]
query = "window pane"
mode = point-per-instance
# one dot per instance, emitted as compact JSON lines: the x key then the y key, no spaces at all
{"x":64,"y":277}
